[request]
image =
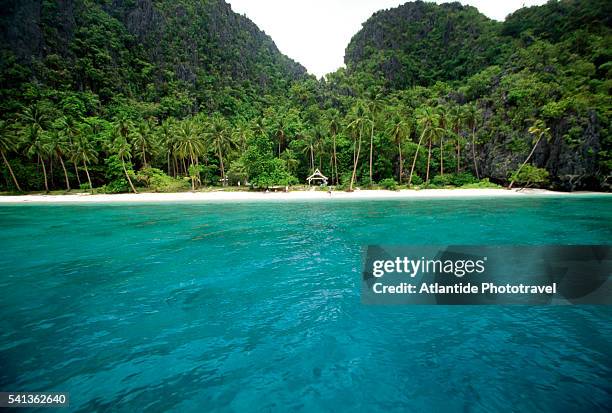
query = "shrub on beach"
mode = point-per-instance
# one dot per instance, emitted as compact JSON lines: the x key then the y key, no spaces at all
{"x":483,"y":183}
{"x":416,"y":180}
{"x":454,"y":179}
{"x":389,"y":184}
{"x":156,"y":180}
{"x":115,"y":187}
{"x":529,"y":175}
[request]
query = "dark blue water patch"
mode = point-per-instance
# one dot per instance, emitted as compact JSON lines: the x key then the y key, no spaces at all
{"x":241,"y":307}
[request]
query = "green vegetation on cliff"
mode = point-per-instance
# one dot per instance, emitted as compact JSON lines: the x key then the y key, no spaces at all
{"x":168,"y":95}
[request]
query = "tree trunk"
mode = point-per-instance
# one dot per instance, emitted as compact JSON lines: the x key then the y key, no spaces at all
{"x":194,"y":178}
{"x":8,"y":165}
{"x":51,"y":171}
{"x":416,"y":154}
{"x":401,"y":162}
{"x":355,"y":161}
{"x":526,"y":160}
{"x":335,"y":160}
{"x":312,"y":158}
{"x":44,"y":173}
{"x":128,"y":176}
{"x":442,"y":155}
{"x":371,"y":150}
{"x":144,"y":158}
{"x":65,"y":172}
{"x":474,"y":151}
{"x":88,"y":177}
{"x":428,"y":161}
{"x":458,"y":156}
{"x":221,"y":164}
{"x":76,"y":172}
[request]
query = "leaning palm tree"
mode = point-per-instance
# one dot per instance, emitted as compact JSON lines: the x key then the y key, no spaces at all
{"x":123,"y":150}
{"x":539,"y":130}
{"x":8,"y":144}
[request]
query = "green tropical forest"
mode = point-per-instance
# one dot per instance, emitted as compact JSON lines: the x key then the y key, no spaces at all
{"x":170,"y":95}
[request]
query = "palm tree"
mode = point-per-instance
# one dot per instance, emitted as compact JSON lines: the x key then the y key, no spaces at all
{"x":319,"y":132}
{"x":311,"y":142}
{"x":35,"y":122}
{"x":241,"y":134}
{"x":220,"y":138}
{"x":456,"y":121}
{"x":376,"y":104}
{"x":471,"y":115}
{"x":436,"y":134}
{"x":443,"y":128}
{"x":190,"y":143}
{"x":8,"y":144}
{"x":291,"y":162}
{"x":165,"y":134}
{"x":37,"y":146}
{"x":58,"y":146}
{"x":34,"y":116}
{"x":123,"y":150}
{"x":69,"y":130}
{"x":360,"y":119}
{"x":427,"y":119}
{"x":280,"y":126}
{"x":83,"y":150}
{"x":142,"y":139}
{"x":333,"y":124}
{"x":399,"y":130}
{"x":539,"y":130}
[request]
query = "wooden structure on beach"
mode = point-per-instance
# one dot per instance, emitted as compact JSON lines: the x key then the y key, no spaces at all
{"x":317,"y":176}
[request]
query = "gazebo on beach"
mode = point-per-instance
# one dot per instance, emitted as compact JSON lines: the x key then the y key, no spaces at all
{"x":317,"y":176}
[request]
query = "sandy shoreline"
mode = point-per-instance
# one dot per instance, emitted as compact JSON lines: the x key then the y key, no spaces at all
{"x":277,"y":196}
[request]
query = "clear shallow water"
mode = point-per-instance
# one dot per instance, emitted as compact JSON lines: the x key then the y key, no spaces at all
{"x":241,"y":307}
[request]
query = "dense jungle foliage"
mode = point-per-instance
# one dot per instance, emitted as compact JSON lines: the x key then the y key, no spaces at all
{"x":124,"y":95}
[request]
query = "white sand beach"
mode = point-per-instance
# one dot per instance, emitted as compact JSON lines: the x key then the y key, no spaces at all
{"x":246,"y":196}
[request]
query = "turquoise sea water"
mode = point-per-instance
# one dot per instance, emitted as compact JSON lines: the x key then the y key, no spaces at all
{"x":256,"y":307}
